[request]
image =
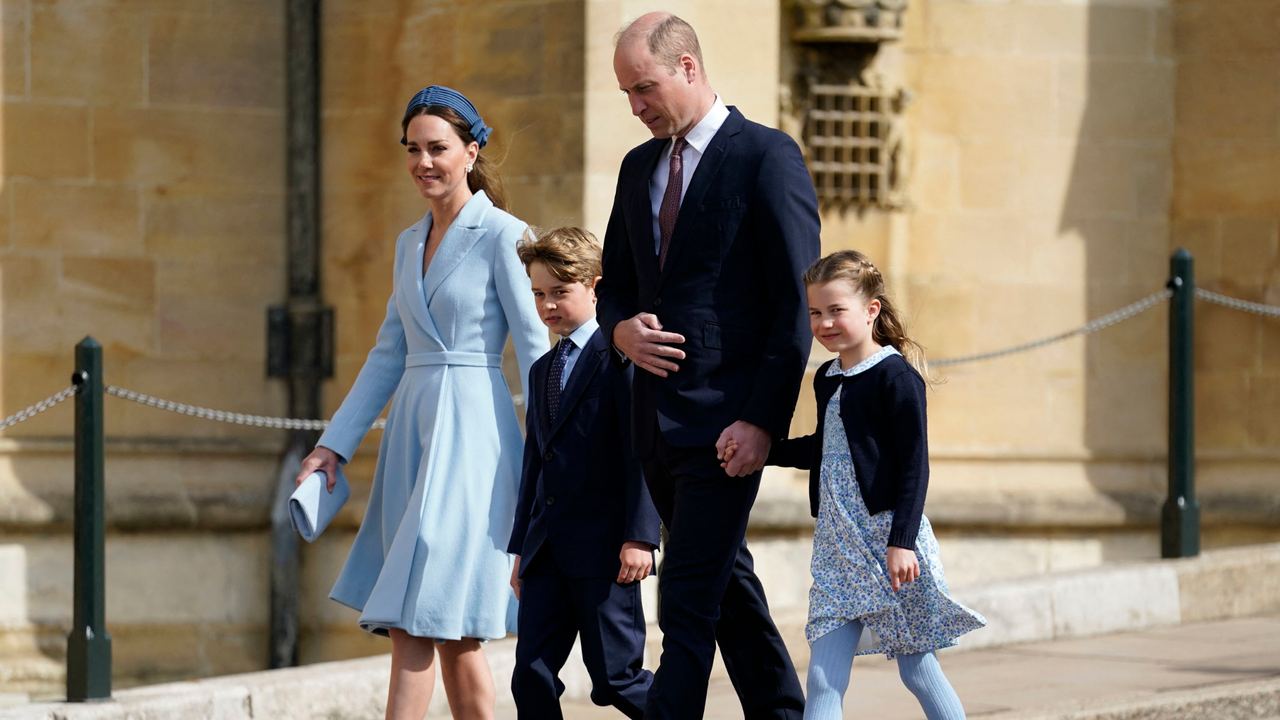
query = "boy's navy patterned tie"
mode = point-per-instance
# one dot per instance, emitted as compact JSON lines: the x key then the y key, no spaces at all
{"x":557,"y":372}
{"x":670,"y":208}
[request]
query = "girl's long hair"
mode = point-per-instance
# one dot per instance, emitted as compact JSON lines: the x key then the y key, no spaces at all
{"x":888,"y":329}
{"x":484,"y":174}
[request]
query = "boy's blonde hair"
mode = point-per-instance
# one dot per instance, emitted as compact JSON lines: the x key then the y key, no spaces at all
{"x":867,"y":281}
{"x":570,"y":254}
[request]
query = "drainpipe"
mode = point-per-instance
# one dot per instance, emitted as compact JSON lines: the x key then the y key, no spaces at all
{"x":300,"y":332}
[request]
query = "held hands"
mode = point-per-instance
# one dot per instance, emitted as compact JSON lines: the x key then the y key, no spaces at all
{"x":641,"y":339}
{"x":515,"y":577}
{"x":324,"y":460}
{"x":743,"y":448}
{"x":637,"y":561}
{"x":903,"y":566}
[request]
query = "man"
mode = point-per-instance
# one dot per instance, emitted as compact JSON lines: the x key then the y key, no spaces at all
{"x":713,"y":223}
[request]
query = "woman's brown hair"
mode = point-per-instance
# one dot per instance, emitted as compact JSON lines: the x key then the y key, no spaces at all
{"x":888,"y":329}
{"x":484,"y":174}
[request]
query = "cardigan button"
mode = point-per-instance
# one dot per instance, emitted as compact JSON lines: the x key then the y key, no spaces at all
{"x":551,"y":501}
{"x":549,"y":456}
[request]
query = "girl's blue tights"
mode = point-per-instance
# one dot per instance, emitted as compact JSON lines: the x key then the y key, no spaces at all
{"x":831,"y":660}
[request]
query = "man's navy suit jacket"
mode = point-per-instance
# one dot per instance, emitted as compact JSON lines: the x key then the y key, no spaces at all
{"x":732,"y":284}
{"x":582,"y":494}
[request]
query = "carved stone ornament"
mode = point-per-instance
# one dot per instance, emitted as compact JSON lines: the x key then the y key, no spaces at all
{"x":849,"y":20}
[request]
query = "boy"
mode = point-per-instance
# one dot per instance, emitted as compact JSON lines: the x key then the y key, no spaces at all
{"x":582,"y":499}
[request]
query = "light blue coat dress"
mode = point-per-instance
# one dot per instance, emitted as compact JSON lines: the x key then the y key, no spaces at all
{"x":430,"y":557}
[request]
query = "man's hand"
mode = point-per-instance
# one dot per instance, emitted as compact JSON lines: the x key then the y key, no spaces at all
{"x":903,"y":566}
{"x":637,"y":561}
{"x":743,"y":447}
{"x":324,"y":460}
{"x":641,"y":339}
{"x":515,"y":577}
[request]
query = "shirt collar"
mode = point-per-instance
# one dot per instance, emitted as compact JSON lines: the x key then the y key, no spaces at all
{"x":582,"y":335}
{"x":700,"y":136}
{"x":863,"y":366}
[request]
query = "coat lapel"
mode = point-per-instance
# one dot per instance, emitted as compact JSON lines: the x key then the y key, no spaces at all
{"x":699,"y":184}
{"x":458,"y":240}
{"x":412,"y":278}
{"x":583,"y":370}
{"x":538,"y":398}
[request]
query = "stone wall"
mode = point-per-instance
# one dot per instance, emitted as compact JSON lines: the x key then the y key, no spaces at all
{"x":1226,"y":210}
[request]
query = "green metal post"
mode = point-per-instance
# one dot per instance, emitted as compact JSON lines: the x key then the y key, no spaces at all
{"x":89,"y":645}
{"x":1180,"y":520}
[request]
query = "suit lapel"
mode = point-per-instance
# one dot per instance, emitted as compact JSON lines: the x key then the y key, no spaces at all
{"x":584,"y":369}
{"x":699,"y":184}
{"x":539,"y":389}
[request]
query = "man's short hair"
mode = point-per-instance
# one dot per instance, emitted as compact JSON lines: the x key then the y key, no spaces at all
{"x":570,"y":254}
{"x":668,"y":39}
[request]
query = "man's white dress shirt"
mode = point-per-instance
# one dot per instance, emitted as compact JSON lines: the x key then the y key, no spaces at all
{"x":698,"y":138}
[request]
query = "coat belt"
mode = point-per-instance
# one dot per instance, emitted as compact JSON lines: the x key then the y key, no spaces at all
{"x":453,"y":357}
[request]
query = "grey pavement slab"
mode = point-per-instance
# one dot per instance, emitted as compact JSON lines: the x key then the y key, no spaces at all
{"x":1014,"y":680}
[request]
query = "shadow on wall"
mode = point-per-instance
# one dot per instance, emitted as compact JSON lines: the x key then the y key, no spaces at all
{"x":1117,"y":203}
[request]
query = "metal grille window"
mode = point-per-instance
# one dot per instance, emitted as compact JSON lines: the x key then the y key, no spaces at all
{"x":847,"y":133}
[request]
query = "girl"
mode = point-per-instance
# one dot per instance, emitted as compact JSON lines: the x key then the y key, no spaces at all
{"x":429,"y":565}
{"x":875,"y":560}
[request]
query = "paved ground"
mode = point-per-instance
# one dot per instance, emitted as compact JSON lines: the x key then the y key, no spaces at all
{"x":1012,"y":680}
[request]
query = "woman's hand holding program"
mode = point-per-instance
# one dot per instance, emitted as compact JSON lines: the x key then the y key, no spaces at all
{"x":321,"y":459}
{"x":903,"y":566}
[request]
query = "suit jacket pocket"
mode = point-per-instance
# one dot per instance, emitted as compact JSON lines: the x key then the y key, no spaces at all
{"x":732,"y":339}
{"x":730,"y":203}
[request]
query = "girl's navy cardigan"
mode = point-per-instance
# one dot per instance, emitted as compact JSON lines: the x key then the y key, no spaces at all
{"x":883,"y":409}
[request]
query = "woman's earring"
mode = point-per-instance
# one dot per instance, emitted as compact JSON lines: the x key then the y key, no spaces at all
{"x":469,"y":166}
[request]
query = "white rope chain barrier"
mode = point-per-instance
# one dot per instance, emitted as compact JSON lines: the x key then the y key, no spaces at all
{"x":1093,"y":326}
{"x":38,"y":408}
{"x":1235,"y":304}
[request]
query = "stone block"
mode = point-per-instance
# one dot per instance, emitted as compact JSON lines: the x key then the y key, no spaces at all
{"x":189,"y":146}
{"x":988,"y":173}
{"x":1249,"y":251}
{"x":945,"y":318}
{"x":565,"y":47}
{"x":1046,"y":176}
{"x":1226,"y":339}
{"x":28,"y":378}
{"x":1092,"y":31}
{"x":31,"y":305}
{"x":548,"y":141}
{"x":14,"y":24}
{"x":215,"y":309}
{"x":200,"y":225}
{"x":111,"y":299}
{"x":973,"y":28}
{"x":173,"y":652}
{"x":1015,"y":612}
{"x":221,"y":382}
{"x":1264,"y":398}
{"x":82,"y":219}
{"x":46,"y":141}
{"x":1102,"y":183}
{"x":1228,"y":97}
{"x":1223,"y":177}
{"x":87,"y":52}
{"x":974,"y":96}
{"x":1098,"y":602}
{"x":360,"y":48}
{"x":935,"y":183}
{"x":1115,"y":99}
{"x":1202,"y":237}
{"x":1229,"y":583}
{"x":1056,"y":255}
{"x":506,"y":50}
{"x":226,"y":60}
{"x":364,"y":151}
{"x":1125,"y":409}
{"x":1220,"y":397}
{"x":1225,"y":28}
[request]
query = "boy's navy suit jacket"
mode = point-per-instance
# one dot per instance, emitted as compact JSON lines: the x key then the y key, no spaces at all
{"x":582,"y":494}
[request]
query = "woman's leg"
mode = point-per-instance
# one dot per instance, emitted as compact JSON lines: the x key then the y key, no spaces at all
{"x":830,"y":661}
{"x":467,"y":681}
{"x":923,"y":676}
{"x":413,"y":676}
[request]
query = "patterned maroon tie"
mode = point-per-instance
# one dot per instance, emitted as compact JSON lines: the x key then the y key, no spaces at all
{"x":671,"y":199}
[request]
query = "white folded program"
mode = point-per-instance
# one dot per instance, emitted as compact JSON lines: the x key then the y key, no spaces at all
{"x":312,"y":507}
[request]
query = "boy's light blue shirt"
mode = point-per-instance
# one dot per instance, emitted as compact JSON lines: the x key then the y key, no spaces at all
{"x":577,"y":339}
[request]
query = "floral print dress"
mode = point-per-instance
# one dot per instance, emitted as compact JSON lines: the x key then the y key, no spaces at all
{"x":850,"y":581}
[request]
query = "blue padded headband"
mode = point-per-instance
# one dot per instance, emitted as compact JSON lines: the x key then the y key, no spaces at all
{"x":445,"y":97}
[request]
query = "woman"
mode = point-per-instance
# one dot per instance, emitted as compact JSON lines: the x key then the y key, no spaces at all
{"x":428,"y":566}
